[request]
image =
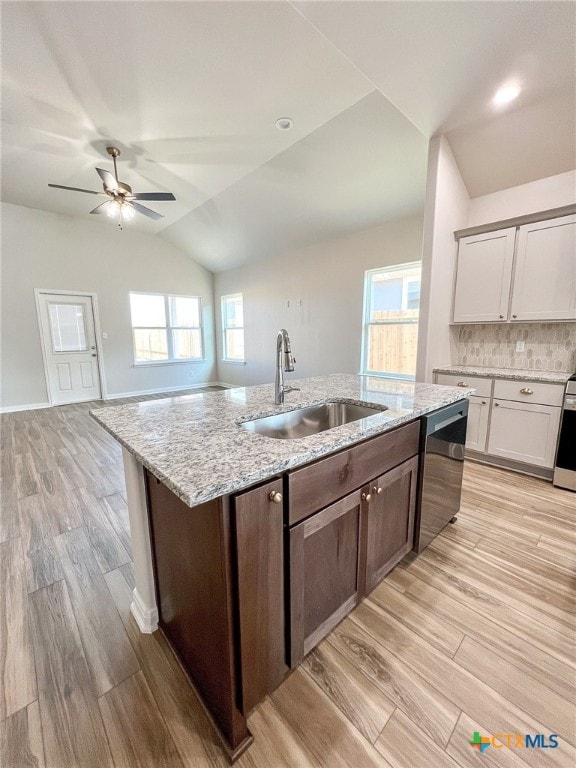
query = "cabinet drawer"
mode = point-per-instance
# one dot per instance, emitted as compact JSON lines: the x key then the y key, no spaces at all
{"x":319,"y":484}
{"x":482,"y":385}
{"x":529,"y":391}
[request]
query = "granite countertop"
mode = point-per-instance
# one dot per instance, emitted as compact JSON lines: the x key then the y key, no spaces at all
{"x":551,"y":377}
{"x":194,"y":445}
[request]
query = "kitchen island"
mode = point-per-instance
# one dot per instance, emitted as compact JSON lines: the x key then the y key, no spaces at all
{"x":248,"y":550}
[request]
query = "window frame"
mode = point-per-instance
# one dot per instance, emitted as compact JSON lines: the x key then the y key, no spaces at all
{"x":168,"y":328}
{"x":367,"y":322}
{"x":225,"y":327}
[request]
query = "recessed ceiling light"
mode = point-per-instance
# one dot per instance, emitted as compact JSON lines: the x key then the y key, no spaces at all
{"x":284,"y":123}
{"x":506,"y":94}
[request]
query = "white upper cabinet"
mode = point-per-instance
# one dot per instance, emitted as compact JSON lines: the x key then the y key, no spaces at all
{"x":523,"y":273}
{"x":483,"y":277}
{"x":544,"y":286}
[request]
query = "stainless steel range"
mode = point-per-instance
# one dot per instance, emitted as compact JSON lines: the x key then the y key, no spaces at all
{"x":565,"y":468}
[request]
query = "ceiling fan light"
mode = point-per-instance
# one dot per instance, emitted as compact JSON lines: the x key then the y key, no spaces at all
{"x":113,"y":208}
{"x":127,"y":211}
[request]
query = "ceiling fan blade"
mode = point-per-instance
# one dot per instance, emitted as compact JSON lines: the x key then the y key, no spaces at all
{"x":146,"y":211}
{"x":108,"y":179}
{"x":100,"y":208}
{"x":153,"y":196}
{"x":76,"y":189}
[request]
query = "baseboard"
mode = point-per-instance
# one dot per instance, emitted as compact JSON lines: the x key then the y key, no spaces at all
{"x":161,"y":390}
{"x":146,"y":618}
{"x":516,"y":466}
{"x":26,"y":407}
{"x":120,"y":395}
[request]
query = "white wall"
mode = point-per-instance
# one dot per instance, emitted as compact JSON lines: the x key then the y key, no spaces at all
{"x":46,"y":250}
{"x":446,"y":209}
{"x":316,"y":293}
{"x":551,"y":192}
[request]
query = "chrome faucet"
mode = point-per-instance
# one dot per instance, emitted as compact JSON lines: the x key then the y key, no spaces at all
{"x":280,"y":389}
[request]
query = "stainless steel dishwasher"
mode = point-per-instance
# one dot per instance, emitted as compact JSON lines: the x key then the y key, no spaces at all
{"x":442,"y":440}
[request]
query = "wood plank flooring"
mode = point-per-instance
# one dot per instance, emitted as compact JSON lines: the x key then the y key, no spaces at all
{"x":475,"y":634}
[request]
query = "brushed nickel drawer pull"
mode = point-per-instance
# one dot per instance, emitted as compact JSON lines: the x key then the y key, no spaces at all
{"x":366,"y":497}
{"x":275,"y":497}
{"x":526,"y":391}
{"x":461,"y":384}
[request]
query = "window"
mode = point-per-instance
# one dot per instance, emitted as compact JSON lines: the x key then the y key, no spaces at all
{"x":391,"y":306}
{"x":233,"y":327}
{"x":166,"y":328}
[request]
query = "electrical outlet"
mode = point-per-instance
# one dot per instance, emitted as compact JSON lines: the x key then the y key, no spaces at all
{"x":520,"y":346}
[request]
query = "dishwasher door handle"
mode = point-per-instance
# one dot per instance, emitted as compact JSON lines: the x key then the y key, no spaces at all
{"x":446,"y":422}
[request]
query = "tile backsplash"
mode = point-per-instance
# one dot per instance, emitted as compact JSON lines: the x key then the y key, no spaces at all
{"x":548,"y":346}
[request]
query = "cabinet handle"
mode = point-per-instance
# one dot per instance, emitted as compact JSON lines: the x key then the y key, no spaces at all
{"x":376,"y":490}
{"x":483,"y":402}
{"x":501,"y":317}
{"x":526,"y":391}
{"x":275,"y":497}
{"x":496,"y":405}
{"x":514,"y":315}
{"x":366,"y":497}
{"x":461,"y":384}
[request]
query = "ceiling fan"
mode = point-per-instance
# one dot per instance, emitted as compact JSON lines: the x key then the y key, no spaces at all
{"x":121,"y":203}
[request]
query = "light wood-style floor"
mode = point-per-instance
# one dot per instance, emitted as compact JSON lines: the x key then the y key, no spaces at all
{"x":475,"y":634}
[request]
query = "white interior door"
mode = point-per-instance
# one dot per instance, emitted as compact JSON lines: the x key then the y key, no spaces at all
{"x":70,"y":353}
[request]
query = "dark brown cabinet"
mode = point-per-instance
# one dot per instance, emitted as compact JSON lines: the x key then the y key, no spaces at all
{"x":248,"y":584}
{"x":259,"y":523}
{"x":390,"y":520}
{"x":324,"y":572}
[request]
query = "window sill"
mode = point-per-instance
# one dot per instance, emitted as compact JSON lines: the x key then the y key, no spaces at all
{"x":381,"y":375}
{"x":234,"y":362}
{"x":167,"y":362}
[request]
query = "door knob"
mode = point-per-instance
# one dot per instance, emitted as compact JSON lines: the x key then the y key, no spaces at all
{"x":275,"y":497}
{"x":376,"y":490}
{"x":366,"y":497}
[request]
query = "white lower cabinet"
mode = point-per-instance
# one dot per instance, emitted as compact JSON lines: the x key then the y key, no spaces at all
{"x":477,"y":432}
{"x":511,"y":418}
{"x":524,"y":432}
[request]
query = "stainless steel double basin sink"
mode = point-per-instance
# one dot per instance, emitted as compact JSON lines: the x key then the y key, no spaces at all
{"x":310,"y":420}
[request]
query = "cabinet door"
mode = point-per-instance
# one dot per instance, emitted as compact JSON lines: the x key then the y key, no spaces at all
{"x":545,"y":272}
{"x":478,"y":410}
{"x":390,"y":527}
{"x":324,"y":574}
{"x":259,"y":525}
{"x":483,"y":276}
{"x":524,"y":432}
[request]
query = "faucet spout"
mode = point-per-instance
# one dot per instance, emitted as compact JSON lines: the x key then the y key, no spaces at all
{"x":282,"y":344}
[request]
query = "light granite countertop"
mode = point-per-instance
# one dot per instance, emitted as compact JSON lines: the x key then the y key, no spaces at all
{"x":551,"y":377}
{"x":194,"y":445}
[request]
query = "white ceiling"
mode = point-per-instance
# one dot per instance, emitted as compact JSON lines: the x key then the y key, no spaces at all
{"x":190,"y":92}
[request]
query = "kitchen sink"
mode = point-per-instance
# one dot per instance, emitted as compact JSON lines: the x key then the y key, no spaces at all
{"x":310,"y":420}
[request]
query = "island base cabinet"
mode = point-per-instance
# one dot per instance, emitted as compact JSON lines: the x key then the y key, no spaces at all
{"x":192,"y":555}
{"x":324,"y":572}
{"x":390,"y":520}
{"x":259,"y":523}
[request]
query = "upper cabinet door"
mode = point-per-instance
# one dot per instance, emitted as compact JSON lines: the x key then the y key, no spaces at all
{"x":545,"y":272}
{"x":483,"y":275}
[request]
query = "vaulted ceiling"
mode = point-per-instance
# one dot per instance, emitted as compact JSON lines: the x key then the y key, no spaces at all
{"x":190,"y":92}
